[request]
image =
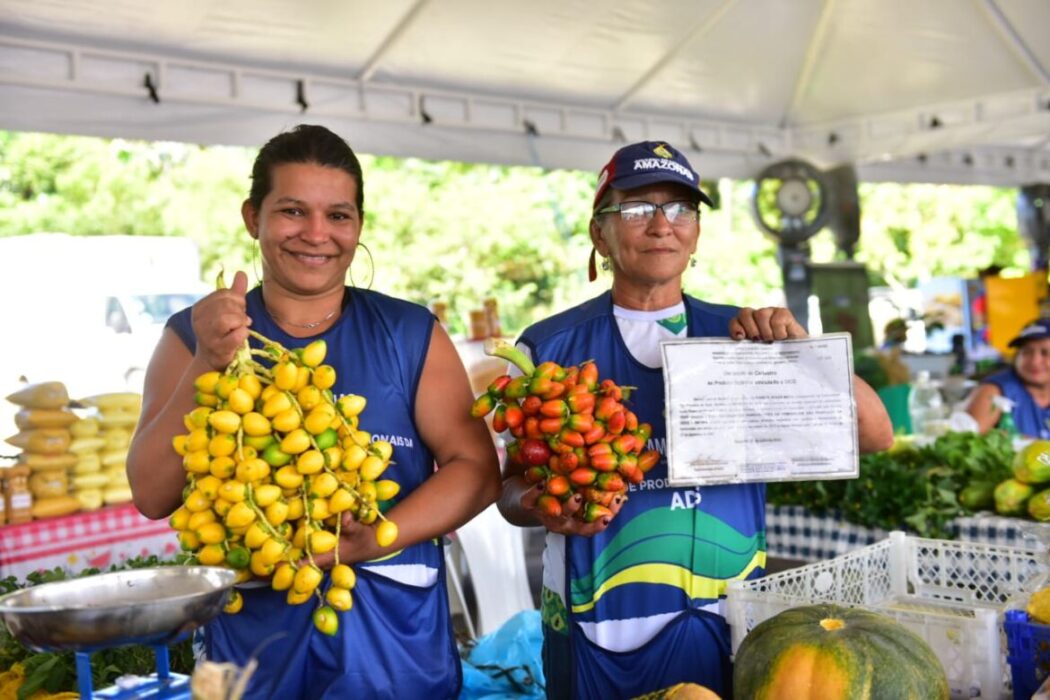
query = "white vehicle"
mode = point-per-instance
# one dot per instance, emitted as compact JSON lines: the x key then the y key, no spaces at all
{"x":89,"y":310}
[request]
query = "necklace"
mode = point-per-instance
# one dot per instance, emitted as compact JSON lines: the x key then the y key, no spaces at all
{"x":313,"y":324}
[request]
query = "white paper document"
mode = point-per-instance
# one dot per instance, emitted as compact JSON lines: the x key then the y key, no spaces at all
{"x":741,"y":411}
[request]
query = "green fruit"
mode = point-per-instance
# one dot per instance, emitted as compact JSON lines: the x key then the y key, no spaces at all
{"x":1039,"y":506}
{"x":1011,"y":496}
{"x":1032,"y":464}
{"x":831,"y":653}
{"x":979,"y":495}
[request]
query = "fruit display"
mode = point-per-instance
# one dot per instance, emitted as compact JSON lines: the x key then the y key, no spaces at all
{"x":43,"y":422}
{"x":572,"y":431}
{"x":100,"y":442}
{"x":273,"y":460}
{"x":830,"y":652}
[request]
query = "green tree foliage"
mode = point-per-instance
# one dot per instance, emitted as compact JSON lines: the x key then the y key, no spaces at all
{"x":460,"y":233}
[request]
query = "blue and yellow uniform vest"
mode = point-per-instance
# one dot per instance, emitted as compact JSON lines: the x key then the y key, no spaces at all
{"x":643,"y":597}
{"x":397,"y":640}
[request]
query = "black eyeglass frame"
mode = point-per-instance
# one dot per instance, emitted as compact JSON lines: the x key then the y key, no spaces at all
{"x":618,"y":208}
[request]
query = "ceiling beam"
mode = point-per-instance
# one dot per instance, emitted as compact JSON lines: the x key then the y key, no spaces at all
{"x":1015,"y":43}
{"x":813,"y":49}
{"x":395,"y":34}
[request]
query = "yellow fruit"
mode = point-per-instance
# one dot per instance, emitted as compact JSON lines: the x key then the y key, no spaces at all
{"x":233,"y":491}
{"x":266,"y":494}
{"x":296,"y":509}
{"x":285,"y":375}
{"x":188,"y":541}
{"x":255,"y":536}
{"x":198,"y":462}
{"x":283,"y":575}
{"x":198,"y":417}
{"x":240,"y":515}
{"x":209,"y":486}
{"x":326,"y":621}
{"x":351,"y":405}
{"x":386,"y":489}
{"x":240,"y":401}
{"x":287,"y":421}
{"x":211,"y":555}
{"x":302,"y":377}
{"x":236,"y":602}
{"x":256,"y":424}
{"x":372,"y":467}
{"x":252,"y":470}
{"x":225,"y":386}
{"x":1039,"y":606}
{"x":306,"y":579}
{"x":288,"y":478}
{"x":319,"y":509}
{"x":295,"y":442}
{"x":197,"y":519}
{"x":206,"y":382}
{"x":333,"y":456}
{"x":222,"y":467}
{"x":272,"y":551}
{"x":353,"y":456}
{"x":180,"y":519}
{"x":382,"y":449}
{"x":221,"y":507}
{"x":339,"y":598}
{"x":209,"y":400}
{"x":314,"y":353}
{"x":386,"y":533}
{"x":323,"y":485}
{"x":224,"y":421}
{"x":343,"y":576}
{"x":294,"y":598}
{"x":309,"y":397}
{"x":367,"y":491}
{"x":196,"y":502}
{"x":342,"y":500}
{"x":310,"y":462}
{"x":276,"y":513}
{"x":318,"y":420}
{"x":250,"y":384}
{"x":179,"y":443}
{"x":324,"y":377}
{"x":259,"y":567}
{"x":367,"y":515}
{"x":211,"y":533}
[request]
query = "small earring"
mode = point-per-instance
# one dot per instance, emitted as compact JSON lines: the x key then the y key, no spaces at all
{"x":605,"y":264}
{"x":371,"y":267}
{"x":692,"y":261}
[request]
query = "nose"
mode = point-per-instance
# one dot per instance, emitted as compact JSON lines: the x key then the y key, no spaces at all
{"x":315,"y":228}
{"x":659,"y":225}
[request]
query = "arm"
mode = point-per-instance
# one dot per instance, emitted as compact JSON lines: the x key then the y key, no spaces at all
{"x":983,"y":410}
{"x":467,"y":478}
{"x":154,"y":468}
{"x":874,"y":428}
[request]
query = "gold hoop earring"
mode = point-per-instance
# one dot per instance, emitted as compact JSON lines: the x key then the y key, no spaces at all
{"x":371,"y":267}
{"x":255,"y":261}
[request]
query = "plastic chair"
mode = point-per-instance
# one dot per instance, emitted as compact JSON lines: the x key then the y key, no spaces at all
{"x":495,"y":554}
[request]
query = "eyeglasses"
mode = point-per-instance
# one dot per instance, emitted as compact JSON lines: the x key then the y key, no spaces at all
{"x":678,"y":213}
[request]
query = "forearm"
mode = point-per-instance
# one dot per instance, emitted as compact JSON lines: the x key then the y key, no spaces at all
{"x":874,"y":428}
{"x":155,"y":470}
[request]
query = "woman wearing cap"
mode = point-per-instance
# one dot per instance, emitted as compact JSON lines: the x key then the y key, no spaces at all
{"x":1026,"y":386}
{"x":632,"y":604}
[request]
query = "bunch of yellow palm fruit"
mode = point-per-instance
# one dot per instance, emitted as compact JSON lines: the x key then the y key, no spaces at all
{"x":273,"y":460}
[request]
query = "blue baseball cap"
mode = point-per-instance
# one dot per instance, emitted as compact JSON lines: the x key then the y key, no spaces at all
{"x":1036,"y":330}
{"x":645,"y":163}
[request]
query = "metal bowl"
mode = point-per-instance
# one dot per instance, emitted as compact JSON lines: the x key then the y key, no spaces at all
{"x":140,"y":606}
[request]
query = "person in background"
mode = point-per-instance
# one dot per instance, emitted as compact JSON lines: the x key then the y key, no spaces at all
{"x":633,"y":603}
{"x":306,"y":211}
{"x":1026,"y":385}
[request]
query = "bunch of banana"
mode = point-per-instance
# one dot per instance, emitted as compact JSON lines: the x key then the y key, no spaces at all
{"x":272,"y":462}
{"x":101,"y":442}
{"x":43,"y":422}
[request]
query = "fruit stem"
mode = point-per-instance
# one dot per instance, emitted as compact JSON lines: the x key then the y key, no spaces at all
{"x":497,"y":347}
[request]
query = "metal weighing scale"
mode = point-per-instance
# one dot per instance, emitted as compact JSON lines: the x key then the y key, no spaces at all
{"x":152,"y":607}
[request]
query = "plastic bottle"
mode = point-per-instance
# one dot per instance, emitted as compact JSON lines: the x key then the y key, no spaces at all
{"x":925,"y":404}
{"x":1006,"y":417}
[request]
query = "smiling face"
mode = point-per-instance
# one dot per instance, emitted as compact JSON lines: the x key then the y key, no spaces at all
{"x":1033,"y":362}
{"x":647,"y":258}
{"x":308,"y":227}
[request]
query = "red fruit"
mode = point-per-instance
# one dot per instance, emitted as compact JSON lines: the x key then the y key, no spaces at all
{"x":557,"y":486}
{"x":589,"y":375}
{"x":555,"y":408}
{"x":593,"y":435}
{"x":549,"y":505}
{"x":581,"y":402}
{"x":555,"y":390}
{"x":580,"y":422}
{"x":515,"y":416}
{"x":631,"y":421}
{"x":534,"y":475}
{"x":551,"y":426}
{"x":482,"y":405}
{"x":514,"y":453}
{"x":616,"y":423}
{"x":648,"y":460}
{"x":532,"y":428}
{"x":632,"y":472}
{"x":572,"y":376}
{"x":606,"y":407}
{"x":571,"y":437}
{"x":594,"y":511}
{"x":535,"y":452}
{"x":551,"y":370}
{"x":610,"y":481}
{"x":569,"y":460}
{"x":603,"y":463}
{"x":624,"y":444}
{"x":530,"y":405}
{"x":608,"y":388}
{"x":497,"y":386}
{"x":596,"y":495}
{"x":539,"y":385}
{"x":516,"y":388}
{"x":583,"y":476}
{"x":644,"y":432}
{"x":518,"y":431}
{"x":499,"y":420}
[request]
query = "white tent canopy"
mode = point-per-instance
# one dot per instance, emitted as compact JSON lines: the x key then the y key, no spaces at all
{"x":909,"y":90}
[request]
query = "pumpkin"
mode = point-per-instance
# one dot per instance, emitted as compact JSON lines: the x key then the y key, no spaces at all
{"x":828,"y":652}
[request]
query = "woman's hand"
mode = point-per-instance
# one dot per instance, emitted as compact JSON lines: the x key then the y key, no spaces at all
{"x":566,"y":523}
{"x":220,"y":322}
{"x":357,"y":543}
{"x":767,"y":323}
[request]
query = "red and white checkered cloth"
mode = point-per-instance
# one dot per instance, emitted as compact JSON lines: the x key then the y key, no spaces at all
{"x":80,"y":541}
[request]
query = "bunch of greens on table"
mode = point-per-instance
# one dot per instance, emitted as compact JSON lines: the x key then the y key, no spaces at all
{"x":920,"y":489}
{"x":56,"y":672}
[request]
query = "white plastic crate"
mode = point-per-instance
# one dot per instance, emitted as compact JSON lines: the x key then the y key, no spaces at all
{"x":952,"y":594}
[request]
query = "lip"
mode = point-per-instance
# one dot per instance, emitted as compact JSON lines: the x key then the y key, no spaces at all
{"x":311,"y":258}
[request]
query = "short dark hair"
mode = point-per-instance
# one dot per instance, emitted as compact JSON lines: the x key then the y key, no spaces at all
{"x":306,"y":143}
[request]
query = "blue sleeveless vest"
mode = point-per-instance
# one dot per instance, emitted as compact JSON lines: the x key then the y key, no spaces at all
{"x":665,"y":560}
{"x":1030,"y":419}
{"x":397,"y":639}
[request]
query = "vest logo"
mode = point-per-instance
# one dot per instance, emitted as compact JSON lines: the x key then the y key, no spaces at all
{"x":396,"y":440}
{"x":661,"y":164}
{"x":686,"y":499}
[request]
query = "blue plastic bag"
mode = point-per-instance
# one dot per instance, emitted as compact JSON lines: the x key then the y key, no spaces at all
{"x":506,"y":663}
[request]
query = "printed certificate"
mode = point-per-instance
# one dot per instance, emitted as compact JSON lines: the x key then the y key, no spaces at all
{"x":741,"y":411}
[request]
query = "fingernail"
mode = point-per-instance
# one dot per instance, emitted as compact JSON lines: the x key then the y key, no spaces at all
{"x":756,"y":338}
{"x":617,"y":500}
{"x":577,"y":498}
{"x":605,"y":521}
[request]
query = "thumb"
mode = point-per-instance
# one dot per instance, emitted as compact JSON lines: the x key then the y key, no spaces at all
{"x":240,"y":283}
